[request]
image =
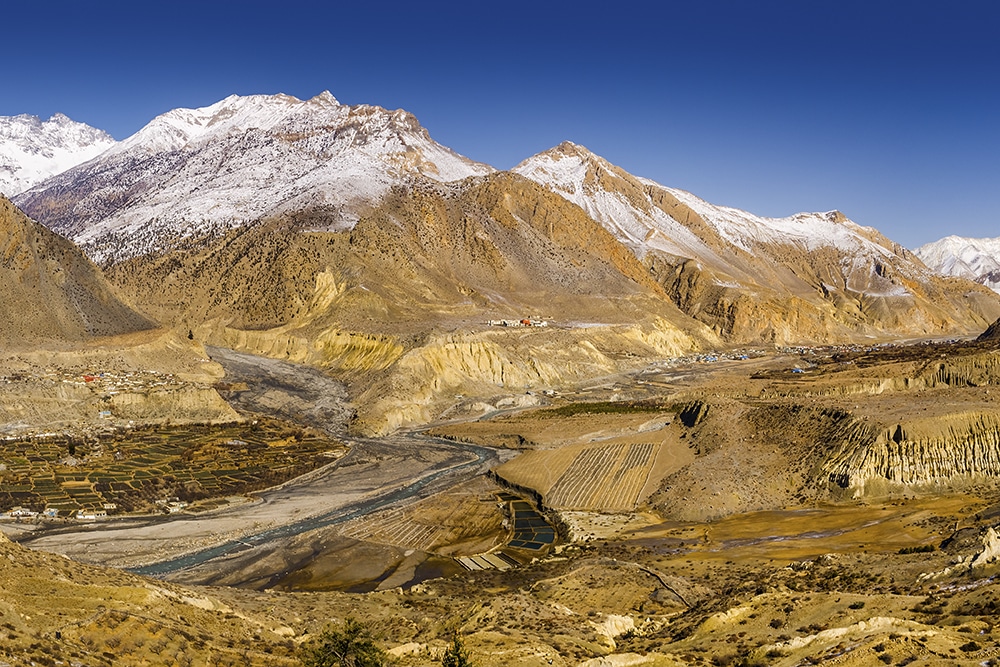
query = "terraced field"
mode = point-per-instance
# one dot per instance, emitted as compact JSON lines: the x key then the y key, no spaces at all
{"x":610,"y":477}
{"x":141,"y":470}
{"x":460,"y":522}
{"x":624,"y":468}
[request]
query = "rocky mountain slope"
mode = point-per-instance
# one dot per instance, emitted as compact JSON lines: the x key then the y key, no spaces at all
{"x":347,"y":238}
{"x":975,"y":259}
{"x":399,"y":303}
{"x":812,"y":276}
{"x":51,"y":290}
{"x":32,"y":150}
{"x":191,"y":171}
{"x":62,"y":320}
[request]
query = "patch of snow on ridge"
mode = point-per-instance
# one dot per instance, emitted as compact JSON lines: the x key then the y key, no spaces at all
{"x":810,"y":231}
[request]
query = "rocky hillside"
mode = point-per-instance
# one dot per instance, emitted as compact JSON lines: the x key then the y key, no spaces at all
{"x":32,"y":150}
{"x":88,"y":615}
{"x":400,"y":302}
{"x":812,"y":276}
{"x":485,"y":248}
{"x":975,"y":259}
{"x":51,"y":290}
{"x":191,"y":171}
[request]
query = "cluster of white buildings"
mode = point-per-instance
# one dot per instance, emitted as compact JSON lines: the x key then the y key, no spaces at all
{"x":526,"y":322}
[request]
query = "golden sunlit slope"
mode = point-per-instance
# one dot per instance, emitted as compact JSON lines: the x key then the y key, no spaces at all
{"x":400,"y":302}
{"x":51,"y":291}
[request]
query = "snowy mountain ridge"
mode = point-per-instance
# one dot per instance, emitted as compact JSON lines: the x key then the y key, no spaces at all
{"x":648,"y":216}
{"x":813,"y":276}
{"x":193,"y":171}
{"x":975,"y":259}
{"x":581,"y":176}
{"x":321,"y":166}
{"x":32,"y":150}
{"x":180,"y":128}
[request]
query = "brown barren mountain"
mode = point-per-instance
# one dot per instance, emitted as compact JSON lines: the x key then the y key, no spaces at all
{"x":62,"y":320}
{"x":52,"y":292}
{"x":400,"y":302}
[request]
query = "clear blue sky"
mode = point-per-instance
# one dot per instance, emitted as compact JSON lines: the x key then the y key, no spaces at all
{"x":887,"y":111}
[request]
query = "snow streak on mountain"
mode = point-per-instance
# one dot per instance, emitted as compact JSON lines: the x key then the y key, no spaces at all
{"x":193,"y":171}
{"x":32,"y":150}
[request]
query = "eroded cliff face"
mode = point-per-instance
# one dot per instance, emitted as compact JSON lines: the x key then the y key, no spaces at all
{"x":808,"y":302}
{"x":430,"y":378}
{"x":346,"y":352}
{"x":930,"y":433}
{"x":955,"y":451}
{"x":980,"y":369}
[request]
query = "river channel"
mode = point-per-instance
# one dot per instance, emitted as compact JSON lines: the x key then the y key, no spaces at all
{"x":374,"y":475}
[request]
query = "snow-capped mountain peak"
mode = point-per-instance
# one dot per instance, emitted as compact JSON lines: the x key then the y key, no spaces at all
{"x":32,"y":150}
{"x":190,"y":171}
{"x":976,"y":259}
{"x":178,"y":128}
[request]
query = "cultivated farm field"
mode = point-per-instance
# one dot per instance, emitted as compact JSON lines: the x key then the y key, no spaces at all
{"x":142,"y":469}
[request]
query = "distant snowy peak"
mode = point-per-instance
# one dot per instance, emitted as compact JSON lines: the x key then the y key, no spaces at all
{"x":182,"y":128}
{"x":32,"y":150}
{"x":191,"y":171}
{"x":976,"y":259}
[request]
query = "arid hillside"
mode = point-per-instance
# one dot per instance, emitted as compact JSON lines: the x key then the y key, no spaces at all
{"x":52,"y":292}
{"x":400,"y":304}
{"x":430,"y":256}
